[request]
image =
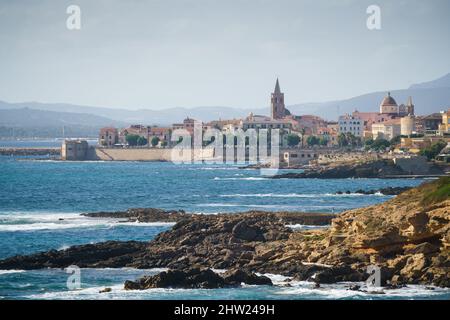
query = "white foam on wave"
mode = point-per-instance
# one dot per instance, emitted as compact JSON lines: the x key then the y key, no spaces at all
{"x":297,"y":195}
{"x":10,"y":271}
{"x":83,"y":293}
{"x":243,"y":178}
{"x":53,"y":221}
{"x":214,"y":205}
{"x":117,"y":293}
{"x":214,"y":168}
{"x":295,"y":289}
{"x":69,"y":161}
{"x":284,"y":288}
{"x":277,"y":279}
{"x":340,"y":291}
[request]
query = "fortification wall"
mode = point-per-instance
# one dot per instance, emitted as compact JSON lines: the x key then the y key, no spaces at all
{"x":144,"y":154}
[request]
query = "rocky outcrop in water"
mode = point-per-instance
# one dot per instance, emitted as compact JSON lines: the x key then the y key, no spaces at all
{"x":110,"y":254}
{"x":204,"y":240}
{"x":389,"y":191}
{"x":143,"y":215}
{"x":373,"y":169}
{"x":159,"y":215}
{"x":214,"y":241}
{"x":197,"y":278}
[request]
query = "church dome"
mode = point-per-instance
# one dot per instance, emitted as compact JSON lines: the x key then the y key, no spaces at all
{"x":388,"y":101}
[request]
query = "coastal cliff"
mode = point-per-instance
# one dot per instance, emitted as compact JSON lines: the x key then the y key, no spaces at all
{"x":408,"y":237}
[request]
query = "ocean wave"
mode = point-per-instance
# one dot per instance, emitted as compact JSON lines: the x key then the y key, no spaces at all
{"x":10,"y":271}
{"x":244,"y":178}
{"x":297,"y":289}
{"x":340,"y":291}
{"x":284,"y":288}
{"x":53,"y":221}
{"x":214,"y":168}
{"x":298,"y":195}
{"x":214,"y":205}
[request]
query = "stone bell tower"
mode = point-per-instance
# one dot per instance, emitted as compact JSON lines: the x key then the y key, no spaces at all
{"x":277,"y":107}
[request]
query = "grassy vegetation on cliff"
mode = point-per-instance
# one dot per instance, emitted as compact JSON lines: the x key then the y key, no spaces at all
{"x":436,"y":191}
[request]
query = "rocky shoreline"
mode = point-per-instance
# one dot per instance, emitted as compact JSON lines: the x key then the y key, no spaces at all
{"x":389,"y":191}
{"x":407,"y":237}
{"x":372,"y":169}
{"x":159,"y":215}
{"x":13,"y":151}
{"x":197,"y":278}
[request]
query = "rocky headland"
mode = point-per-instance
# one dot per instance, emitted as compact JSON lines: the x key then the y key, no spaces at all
{"x":408,"y":237}
{"x":372,"y":169}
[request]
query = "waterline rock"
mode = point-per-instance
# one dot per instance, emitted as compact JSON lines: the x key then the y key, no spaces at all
{"x":196,"y":278}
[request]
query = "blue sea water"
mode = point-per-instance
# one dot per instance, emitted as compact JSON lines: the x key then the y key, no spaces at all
{"x":41,"y":202}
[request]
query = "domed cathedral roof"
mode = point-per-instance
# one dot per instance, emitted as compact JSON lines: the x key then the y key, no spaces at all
{"x":388,"y":101}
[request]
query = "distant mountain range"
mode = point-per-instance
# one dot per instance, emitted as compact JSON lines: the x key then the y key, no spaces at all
{"x":24,"y":122}
{"x":27,"y":117}
{"x":141,"y":116}
{"x":428,"y":97}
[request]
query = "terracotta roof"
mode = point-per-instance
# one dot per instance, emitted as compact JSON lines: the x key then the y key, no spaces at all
{"x":108,"y":129}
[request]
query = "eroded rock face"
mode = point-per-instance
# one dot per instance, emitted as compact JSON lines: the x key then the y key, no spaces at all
{"x":197,"y":278}
{"x":407,"y":237}
{"x":221,"y":242}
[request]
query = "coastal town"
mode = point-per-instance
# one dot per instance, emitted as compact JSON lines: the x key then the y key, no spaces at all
{"x":392,"y":128}
{"x":225,"y":159}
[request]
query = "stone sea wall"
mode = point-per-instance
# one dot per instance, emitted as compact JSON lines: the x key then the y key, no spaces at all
{"x":144,"y":154}
{"x":30,"y":151}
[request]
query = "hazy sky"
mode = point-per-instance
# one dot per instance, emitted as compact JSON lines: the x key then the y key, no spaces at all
{"x":168,"y":53}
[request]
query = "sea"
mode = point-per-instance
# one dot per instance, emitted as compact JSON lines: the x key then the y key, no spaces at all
{"x":41,"y":201}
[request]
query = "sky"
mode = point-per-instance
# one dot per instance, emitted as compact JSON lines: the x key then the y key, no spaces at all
{"x":158,"y":54}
